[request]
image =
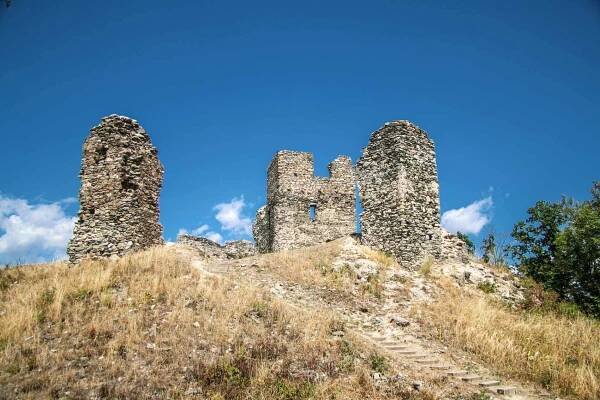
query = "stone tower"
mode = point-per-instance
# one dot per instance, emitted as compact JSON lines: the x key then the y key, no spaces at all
{"x":121,"y":178}
{"x":398,"y":182}
{"x":302,"y":209}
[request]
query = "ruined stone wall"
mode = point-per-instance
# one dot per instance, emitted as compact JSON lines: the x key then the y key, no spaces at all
{"x":239,"y":249}
{"x":454,"y":249}
{"x":202,"y":246}
{"x":261,"y":230}
{"x":210,"y":249}
{"x":121,"y":178}
{"x":292,"y":189}
{"x":398,"y":182}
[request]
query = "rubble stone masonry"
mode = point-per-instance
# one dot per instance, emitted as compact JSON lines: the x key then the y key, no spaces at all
{"x":121,"y":179}
{"x":210,"y":249}
{"x":398,"y":183}
{"x":302,"y":209}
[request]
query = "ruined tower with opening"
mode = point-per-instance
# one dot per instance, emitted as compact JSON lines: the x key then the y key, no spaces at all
{"x":302,"y":209}
{"x":121,"y":178}
{"x":398,"y":182}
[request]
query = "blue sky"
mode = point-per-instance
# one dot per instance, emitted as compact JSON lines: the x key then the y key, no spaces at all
{"x":509,"y":91}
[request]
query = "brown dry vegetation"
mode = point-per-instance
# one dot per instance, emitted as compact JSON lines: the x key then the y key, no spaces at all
{"x":150,"y":326}
{"x":313,"y":267}
{"x":562,"y":354}
{"x":309,"y":266}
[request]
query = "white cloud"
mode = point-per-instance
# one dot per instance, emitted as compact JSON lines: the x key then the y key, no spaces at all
{"x":204,"y":231}
{"x":200,"y":230}
{"x":231,"y":217}
{"x":214,"y":236}
{"x":33,"y":232}
{"x":469,"y":219}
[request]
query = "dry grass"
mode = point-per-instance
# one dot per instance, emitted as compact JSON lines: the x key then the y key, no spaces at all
{"x":313,"y":267}
{"x":149,"y":326}
{"x":382,"y":258}
{"x":310,"y":266}
{"x":562,"y":354}
{"x":426,"y":266}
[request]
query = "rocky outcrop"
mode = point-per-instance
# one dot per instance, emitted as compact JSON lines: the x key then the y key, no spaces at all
{"x":121,"y":179}
{"x":398,"y":182}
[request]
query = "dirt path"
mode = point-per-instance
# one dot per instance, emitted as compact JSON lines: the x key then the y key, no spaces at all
{"x":385,"y":323}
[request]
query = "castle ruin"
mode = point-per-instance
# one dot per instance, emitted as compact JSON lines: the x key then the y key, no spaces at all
{"x":302,"y":209}
{"x":399,"y":190}
{"x":121,"y":178}
{"x":398,"y":182}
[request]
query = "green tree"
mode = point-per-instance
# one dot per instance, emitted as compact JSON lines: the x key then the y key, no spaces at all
{"x":558,"y":245}
{"x":467,"y":240}
{"x":578,"y":255}
{"x":488,"y":248}
{"x":535,"y":243}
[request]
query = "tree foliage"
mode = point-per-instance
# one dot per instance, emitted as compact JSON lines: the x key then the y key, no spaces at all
{"x":558,"y":245}
{"x":493,"y":249}
{"x":488,"y":247}
{"x":467,"y":240}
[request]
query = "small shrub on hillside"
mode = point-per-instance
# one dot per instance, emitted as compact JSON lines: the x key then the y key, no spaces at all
{"x":348,"y":356}
{"x":80,"y":295}
{"x":288,"y":390}
{"x":373,"y":286}
{"x":378,"y":363}
{"x":487,"y":287}
{"x":536,"y":298}
{"x":259,"y":309}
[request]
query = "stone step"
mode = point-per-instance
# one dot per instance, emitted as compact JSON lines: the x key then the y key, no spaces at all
{"x":489,"y":383}
{"x":396,"y":348}
{"x":456,"y":373}
{"x":470,"y":378}
{"x":426,"y":361}
{"x":418,"y":356}
{"x":406,"y":351}
{"x":393,"y":343}
{"x":506,"y":390}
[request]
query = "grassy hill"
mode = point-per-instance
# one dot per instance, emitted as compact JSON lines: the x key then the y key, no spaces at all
{"x":150,"y":326}
{"x":153,"y":326}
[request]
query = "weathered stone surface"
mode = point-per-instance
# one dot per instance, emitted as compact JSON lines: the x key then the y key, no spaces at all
{"x":239,"y":249}
{"x":398,"y":182}
{"x":203,"y":246}
{"x":292,"y":190}
{"x":121,"y":178}
{"x":213,"y":250}
{"x":453,"y":248}
{"x":261,"y":230}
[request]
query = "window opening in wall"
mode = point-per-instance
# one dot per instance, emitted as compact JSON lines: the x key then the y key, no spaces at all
{"x":312,"y":212}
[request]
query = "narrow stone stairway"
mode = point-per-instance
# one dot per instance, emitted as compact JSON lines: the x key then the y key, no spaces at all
{"x":407,"y":349}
